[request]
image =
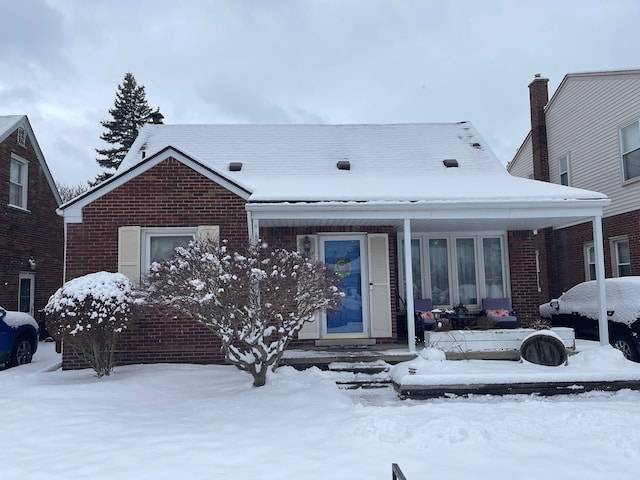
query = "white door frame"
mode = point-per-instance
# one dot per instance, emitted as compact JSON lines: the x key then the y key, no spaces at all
{"x":32,"y":278}
{"x":364,"y":281}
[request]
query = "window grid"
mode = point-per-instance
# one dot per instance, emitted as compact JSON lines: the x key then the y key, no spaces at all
{"x":622,"y":258}
{"x":563,"y":168}
{"x":630,"y":147}
{"x":18,"y":183}
{"x":457,"y":268}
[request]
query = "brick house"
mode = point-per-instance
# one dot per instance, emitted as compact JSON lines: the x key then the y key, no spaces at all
{"x":346,"y":194}
{"x":31,"y":234}
{"x":587,"y":136}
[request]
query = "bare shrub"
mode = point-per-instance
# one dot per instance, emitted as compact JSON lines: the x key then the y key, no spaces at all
{"x":255,"y":300}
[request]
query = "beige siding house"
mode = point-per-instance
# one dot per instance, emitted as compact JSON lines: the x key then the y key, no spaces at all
{"x":592,"y":141}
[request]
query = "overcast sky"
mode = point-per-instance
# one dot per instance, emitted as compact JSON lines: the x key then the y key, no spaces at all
{"x":298,"y":61}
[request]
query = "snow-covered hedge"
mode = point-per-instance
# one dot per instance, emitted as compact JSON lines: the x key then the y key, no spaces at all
{"x":89,"y":312}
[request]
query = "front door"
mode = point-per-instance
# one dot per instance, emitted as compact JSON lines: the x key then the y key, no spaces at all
{"x":26,"y":293}
{"x":346,"y":256}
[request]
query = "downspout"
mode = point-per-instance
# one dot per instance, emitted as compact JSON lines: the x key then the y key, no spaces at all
{"x":603,"y":324}
{"x":253,"y":228}
{"x":408,"y":273}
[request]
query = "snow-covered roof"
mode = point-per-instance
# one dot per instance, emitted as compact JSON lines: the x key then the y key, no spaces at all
{"x":395,"y":162}
{"x":8,"y":123}
{"x":289,"y":175}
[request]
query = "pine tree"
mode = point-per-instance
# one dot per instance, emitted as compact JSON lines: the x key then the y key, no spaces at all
{"x":130,"y":113}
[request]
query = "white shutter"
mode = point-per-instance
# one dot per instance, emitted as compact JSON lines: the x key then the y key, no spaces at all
{"x":310,"y":330}
{"x":208,"y":231}
{"x":379,"y":285}
{"x":129,"y":253}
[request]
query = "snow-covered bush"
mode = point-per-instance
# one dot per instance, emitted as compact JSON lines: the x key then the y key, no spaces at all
{"x":255,"y":300}
{"x":89,"y":313}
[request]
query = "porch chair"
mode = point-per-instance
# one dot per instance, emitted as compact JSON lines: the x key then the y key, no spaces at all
{"x":500,"y":311}
{"x":423,"y":317}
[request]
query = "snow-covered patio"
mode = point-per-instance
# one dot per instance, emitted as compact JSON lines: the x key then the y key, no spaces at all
{"x":192,"y":421}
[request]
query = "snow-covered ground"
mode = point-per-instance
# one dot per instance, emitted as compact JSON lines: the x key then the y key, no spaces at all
{"x":203,"y":422}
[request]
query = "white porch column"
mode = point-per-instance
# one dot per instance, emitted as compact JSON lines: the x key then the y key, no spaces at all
{"x":408,"y":274}
{"x":603,"y":325}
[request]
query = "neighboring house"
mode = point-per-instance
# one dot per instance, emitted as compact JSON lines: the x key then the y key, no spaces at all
{"x":346,"y":194}
{"x":31,"y":234}
{"x":587,"y":136}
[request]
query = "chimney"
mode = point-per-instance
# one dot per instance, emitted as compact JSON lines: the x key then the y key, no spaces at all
{"x":156,"y":117}
{"x":538,"y":98}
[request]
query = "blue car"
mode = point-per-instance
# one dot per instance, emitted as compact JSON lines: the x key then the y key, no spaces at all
{"x":18,"y":338}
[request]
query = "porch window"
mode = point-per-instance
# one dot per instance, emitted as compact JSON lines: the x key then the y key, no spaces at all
{"x":630,"y":144}
{"x":493,"y":269}
{"x":466,"y":260}
{"x":439,"y":271}
{"x":458,"y":268}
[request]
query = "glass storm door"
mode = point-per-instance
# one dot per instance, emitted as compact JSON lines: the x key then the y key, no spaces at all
{"x":345,"y":256}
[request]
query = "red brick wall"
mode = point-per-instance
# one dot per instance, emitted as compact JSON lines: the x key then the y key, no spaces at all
{"x":37,"y":233}
{"x":172,"y":195}
{"x":525,"y":297}
{"x":168,"y":195}
{"x":568,"y":249}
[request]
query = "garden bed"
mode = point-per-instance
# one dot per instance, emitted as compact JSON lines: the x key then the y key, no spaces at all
{"x":496,"y":344}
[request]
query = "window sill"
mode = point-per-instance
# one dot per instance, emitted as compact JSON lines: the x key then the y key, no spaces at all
{"x":16,"y":207}
{"x":631,"y":181}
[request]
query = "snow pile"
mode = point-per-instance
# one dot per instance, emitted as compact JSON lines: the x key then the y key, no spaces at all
{"x":206,"y":421}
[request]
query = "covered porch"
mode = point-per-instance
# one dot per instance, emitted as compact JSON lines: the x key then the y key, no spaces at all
{"x":544,"y":205}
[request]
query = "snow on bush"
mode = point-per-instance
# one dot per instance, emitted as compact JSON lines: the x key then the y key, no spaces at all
{"x":255,"y":300}
{"x":89,"y":313}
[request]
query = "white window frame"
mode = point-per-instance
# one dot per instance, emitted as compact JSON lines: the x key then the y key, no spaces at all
{"x":454,"y":296}
{"x":625,"y":151}
{"x":589,"y":260}
{"x":563,"y":170}
{"x":148,"y":233}
{"x":23,"y":181}
{"x":615,"y":254}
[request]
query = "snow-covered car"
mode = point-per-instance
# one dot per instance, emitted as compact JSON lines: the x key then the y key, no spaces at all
{"x":577,"y":308}
{"x":18,"y":337}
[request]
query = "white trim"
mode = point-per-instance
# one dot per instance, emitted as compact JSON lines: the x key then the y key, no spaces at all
{"x":586,"y":250}
{"x":24,"y":181}
{"x":450,"y":238}
{"x":602,"y":301}
{"x":72,"y":212}
{"x":147,"y":234}
{"x":615,"y":260}
{"x":364,"y":282}
{"x":408,"y":264}
{"x":31,"y":276}
{"x":566,"y":171}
